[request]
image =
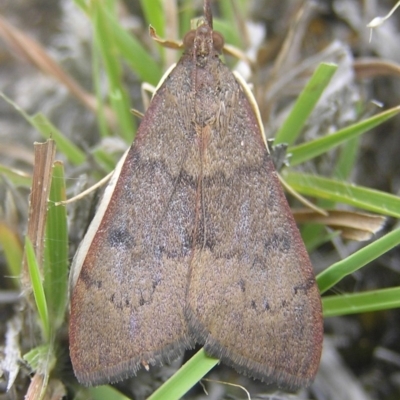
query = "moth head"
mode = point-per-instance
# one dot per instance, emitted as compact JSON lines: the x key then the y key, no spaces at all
{"x":203,"y":41}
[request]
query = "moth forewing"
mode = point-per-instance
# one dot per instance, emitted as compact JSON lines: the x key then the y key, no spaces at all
{"x":81,"y":253}
{"x":253,"y":103}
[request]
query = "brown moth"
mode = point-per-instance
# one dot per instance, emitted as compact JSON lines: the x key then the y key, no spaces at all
{"x":194,"y":241}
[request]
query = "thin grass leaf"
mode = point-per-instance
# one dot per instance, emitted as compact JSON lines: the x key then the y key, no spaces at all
{"x":104,"y":159}
{"x":55,"y":263}
{"x":64,"y":145}
{"x":233,"y":15}
{"x":347,"y":159}
{"x":127,"y":46}
{"x":82,"y":4}
{"x":154,"y":14}
{"x":347,"y":193}
{"x":186,"y":14}
{"x":97,"y":81}
{"x":376,"y":300}
{"x":186,"y":377}
{"x":48,"y":130}
{"x":106,"y":392}
{"x":42,"y":360}
{"x":38,"y":290}
{"x":17,"y":178}
{"x":315,"y":236}
{"x":314,"y":148}
{"x":336,"y":272}
{"x":13,"y":252}
{"x":105,"y":27}
{"x":38,"y":358}
{"x":137,"y":57}
{"x":305,"y":103}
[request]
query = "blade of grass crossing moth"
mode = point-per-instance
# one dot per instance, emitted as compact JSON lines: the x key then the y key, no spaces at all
{"x":186,"y":377}
{"x":106,"y":392}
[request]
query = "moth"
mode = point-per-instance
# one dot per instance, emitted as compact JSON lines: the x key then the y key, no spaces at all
{"x":194,"y":241}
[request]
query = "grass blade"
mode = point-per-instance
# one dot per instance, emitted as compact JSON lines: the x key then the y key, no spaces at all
{"x":376,"y":300}
{"x":38,"y":290}
{"x":314,"y":148}
{"x":354,"y":262}
{"x":305,"y":103}
{"x":49,"y":131}
{"x":186,"y":377}
{"x":333,"y":190}
{"x":55,"y":264}
{"x":13,"y":251}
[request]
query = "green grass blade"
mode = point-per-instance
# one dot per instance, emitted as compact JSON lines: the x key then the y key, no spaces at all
{"x":38,"y":290}
{"x":105,"y":27}
{"x":106,"y":160}
{"x":82,"y":4}
{"x":347,"y":159}
{"x":41,"y":358}
{"x":11,"y":245}
{"x":137,"y":57}
{"x":47,"y":130}
{"x":17,"y":178}
{"x":105,"y":130}
{"x":227,"y":23}
{"x":313,"y":148}
{"x":106,"y":392}
{"x":153,"y":11}
{"x":377,"y":300}
{"x":333,"y":190}
{"x":55,"y":264}
{"x":315,"y":236}
{"x":305,"y":103}
{"x":64,"y":145}
{"x":118,"y":42}
{"x":186,"y":377}
{"x":186,"y":14}
{"x":354,"y":262}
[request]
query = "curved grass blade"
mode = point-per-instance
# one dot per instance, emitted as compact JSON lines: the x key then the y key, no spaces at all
{"x":305,"y":103}
{"x":13,"y":252}
{"x":106,"y":28}
{"x":354,"y":262}
{"x":18,"y":178}
{"x":314,"y":148}
{"x":376,"y":300}
{"x":106,"y":392}
{"x":48,"y":130}
{"x":186,"y":377}
{"x":37,"y":286}
{"x":334,"y":190}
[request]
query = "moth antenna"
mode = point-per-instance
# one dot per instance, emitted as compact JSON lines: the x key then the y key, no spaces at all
{"x":208,"y":13}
